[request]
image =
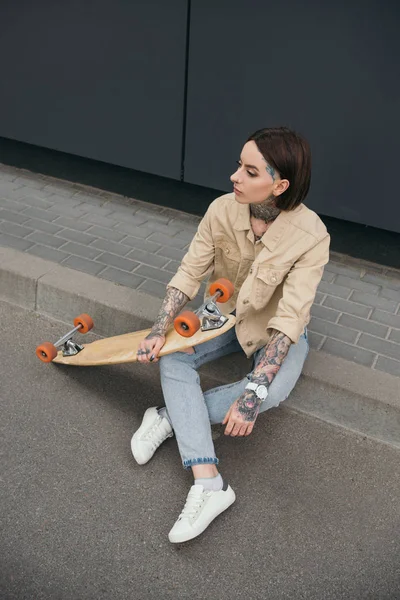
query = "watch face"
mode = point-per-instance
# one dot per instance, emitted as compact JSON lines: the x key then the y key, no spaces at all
{"x":262,"y":392}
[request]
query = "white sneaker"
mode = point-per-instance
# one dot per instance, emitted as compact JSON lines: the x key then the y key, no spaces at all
{"x":151,"y":434}
{"x":202,"y":506}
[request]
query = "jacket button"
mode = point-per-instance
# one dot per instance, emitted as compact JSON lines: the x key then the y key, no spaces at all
{"x":227,"y":250}
{"x":273,"y":279}
{"x":251,"y":270}
{"x":245,"y":301}
{"x":249,"y":343}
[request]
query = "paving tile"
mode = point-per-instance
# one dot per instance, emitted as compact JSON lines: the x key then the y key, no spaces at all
{"x":340,"y":269}
{"x":347,"y":306}
{"x":39,"y":213}
{"x":323,"y":312}
{"x":77,"y":236}
{"x":352,"y":353}
{"x":148,"y":258}
{"x":364,"y":325}
{"x":388,"y":365}
{"x":165,"y":240}
{"x":386,"y":318}
{"x":92,"y":209}
{"x":121,"y":277}
{"x":379,"y":346}
{"x":109,"y":246}
{"x":141,"y":244}
{"x":81,"y":250}
{"x":118,"y":262}
{"x":76,"y":224}
{"x":46,"y":239}
{"x":318,"y":298}
{"x":357,"y":284}
{"x":48,"y":253}
{"x":334,"y":290}
{"x":20,"y":231}
{"x":107,"y":234}
{"x":374,"y":301}
{"x":82,"y":264}
{"x":162,"y":228}
{"x":51,"y":228}
{"x":134,"y":230}
{"x":13,"y":217}
{"x":156,"y":274}
{"x":390,"y":294}
{"x":395,"y":336}
{"x":36,"y":202}
{"x":92,"y":219}
{"x":12,"y":205}
{"x":173,"y":253}
{"x":315,"y":340}
{"x":154,"y":288}
{"x":172,"y":267}
{"x":388,"y":282}
{"x":332,"y":330}
{"x":67,"y":211}
{"x":13,"y":242}
{"x":328,"y":276}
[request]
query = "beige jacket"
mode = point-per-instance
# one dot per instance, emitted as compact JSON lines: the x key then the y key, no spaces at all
{"x":275,"y":279}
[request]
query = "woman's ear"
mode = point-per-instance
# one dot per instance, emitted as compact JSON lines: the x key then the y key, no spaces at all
{"x":280,"y":187}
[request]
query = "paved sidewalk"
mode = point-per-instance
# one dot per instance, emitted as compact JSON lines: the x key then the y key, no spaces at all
{"x":356,"y":314}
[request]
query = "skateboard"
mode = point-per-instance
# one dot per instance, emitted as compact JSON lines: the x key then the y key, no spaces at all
{"x":189,"y":329}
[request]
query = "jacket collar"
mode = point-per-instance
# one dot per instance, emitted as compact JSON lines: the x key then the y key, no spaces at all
{"x":272,"y":236}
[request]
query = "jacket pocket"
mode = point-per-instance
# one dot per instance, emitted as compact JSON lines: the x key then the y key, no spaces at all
{"x":267,"y":280}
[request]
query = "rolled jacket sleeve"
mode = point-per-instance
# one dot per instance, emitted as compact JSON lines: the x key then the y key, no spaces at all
{"x":199,"y":259}
{"x":299,"y":289}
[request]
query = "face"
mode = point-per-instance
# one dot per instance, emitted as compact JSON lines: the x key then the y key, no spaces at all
{"x":255,"y":181}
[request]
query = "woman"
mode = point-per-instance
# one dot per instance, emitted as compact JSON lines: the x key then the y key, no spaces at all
{"x":273,"y":249}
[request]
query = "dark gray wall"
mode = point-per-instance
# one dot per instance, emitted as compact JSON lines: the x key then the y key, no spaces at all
{"x":102,"y":79}
{"x":327,"y":69}
{"x":105,"y":79}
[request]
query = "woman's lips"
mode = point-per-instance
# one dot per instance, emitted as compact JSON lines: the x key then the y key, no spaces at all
{"x":236,"y":191}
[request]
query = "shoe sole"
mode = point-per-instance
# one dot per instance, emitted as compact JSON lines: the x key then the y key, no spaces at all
{"x":179,"y":539}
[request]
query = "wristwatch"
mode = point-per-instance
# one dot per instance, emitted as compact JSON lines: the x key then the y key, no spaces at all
{"x":260,"y":390}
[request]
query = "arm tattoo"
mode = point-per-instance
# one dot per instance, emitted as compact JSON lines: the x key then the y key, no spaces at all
{"x":268,"y":366}
{"x":173,"y":302}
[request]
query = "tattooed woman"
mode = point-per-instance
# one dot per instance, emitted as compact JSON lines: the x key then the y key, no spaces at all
{"x":273,"y":248}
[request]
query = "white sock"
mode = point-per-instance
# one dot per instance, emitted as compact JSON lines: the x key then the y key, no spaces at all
{"x":215,"y":484}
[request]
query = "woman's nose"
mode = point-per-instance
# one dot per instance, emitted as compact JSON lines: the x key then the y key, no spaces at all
{"x":235,"y":177}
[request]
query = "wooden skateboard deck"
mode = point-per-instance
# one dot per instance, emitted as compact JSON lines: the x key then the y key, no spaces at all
{"x":123,"y":348}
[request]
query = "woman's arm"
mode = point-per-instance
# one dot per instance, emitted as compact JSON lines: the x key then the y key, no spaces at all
{"x":150,"y":347}
{"x":241,"y":416}
{"x":272,"y":356}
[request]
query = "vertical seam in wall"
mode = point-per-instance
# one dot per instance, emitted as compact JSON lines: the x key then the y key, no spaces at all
{"x":185,"y":90}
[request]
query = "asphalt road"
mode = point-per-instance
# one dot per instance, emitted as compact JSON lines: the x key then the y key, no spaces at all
{"x":317,"y":514}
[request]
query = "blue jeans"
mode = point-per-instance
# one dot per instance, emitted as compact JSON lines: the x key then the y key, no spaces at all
{"x":191,"y":412}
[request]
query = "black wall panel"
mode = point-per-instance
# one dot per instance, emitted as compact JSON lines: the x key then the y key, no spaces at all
{"x":102,"y":79}
{"x":327,"y":69}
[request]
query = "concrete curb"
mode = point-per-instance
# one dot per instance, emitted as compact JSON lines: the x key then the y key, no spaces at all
{"x":332,"y":389}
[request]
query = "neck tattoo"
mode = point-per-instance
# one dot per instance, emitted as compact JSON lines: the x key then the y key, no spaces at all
{"x":264,"y":212}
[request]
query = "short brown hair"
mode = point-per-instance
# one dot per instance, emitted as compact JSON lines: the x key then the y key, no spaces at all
{"x":290,"y":155}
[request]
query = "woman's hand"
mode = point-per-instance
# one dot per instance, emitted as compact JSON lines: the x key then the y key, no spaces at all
{"x":242,"y":415}
{"x":150,"y":347}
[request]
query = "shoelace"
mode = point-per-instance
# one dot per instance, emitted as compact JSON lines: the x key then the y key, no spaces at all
{"x":193,"y":503}
{"x":154,"y":435}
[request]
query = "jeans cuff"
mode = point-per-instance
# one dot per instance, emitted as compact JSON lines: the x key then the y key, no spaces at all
{"x":192,"y":462}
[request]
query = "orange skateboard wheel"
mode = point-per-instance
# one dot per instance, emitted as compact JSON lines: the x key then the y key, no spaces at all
{"x":187,"y":323}
{"x":46,"y":352}
{"x":224,"y":286}
{"x":85,"y":321}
